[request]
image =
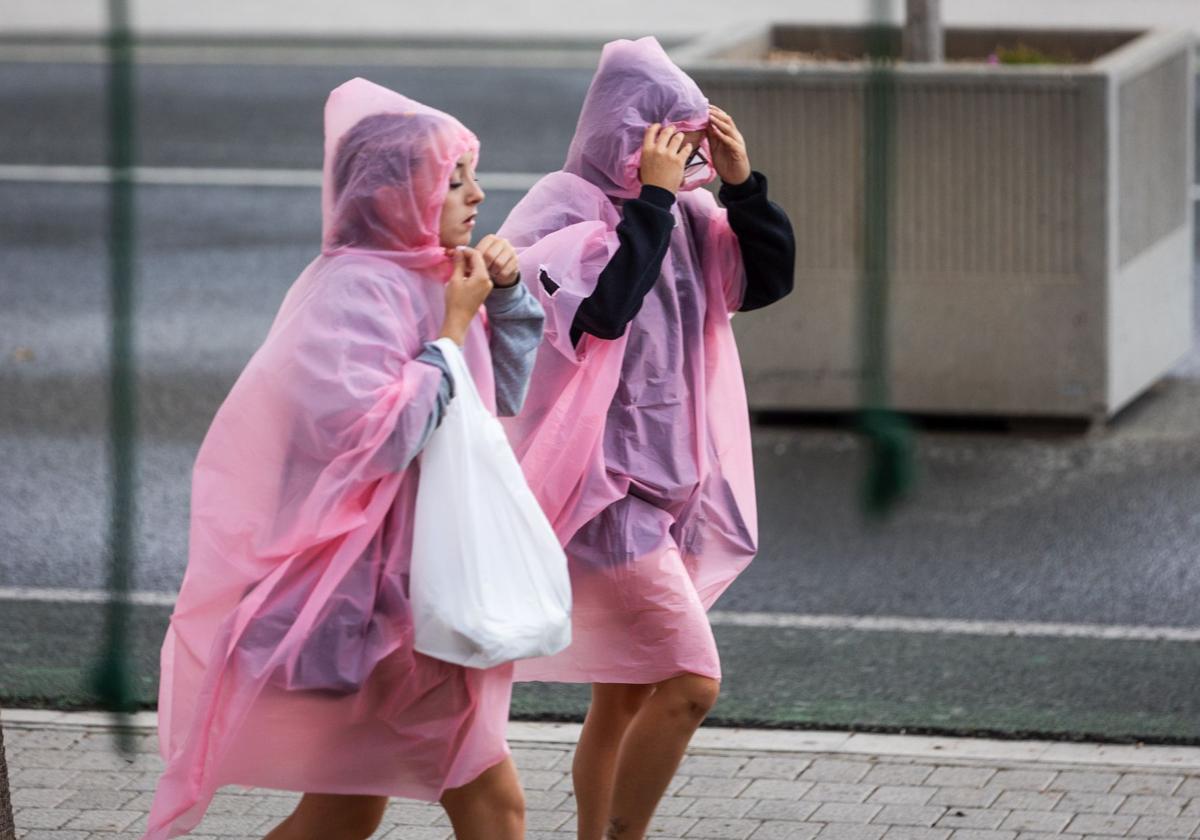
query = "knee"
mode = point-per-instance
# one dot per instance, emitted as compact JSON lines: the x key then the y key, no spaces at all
{"x":359,"y":823}
{"x":334,"y":817}
{"x":505,"y":801}
{"x":690,"y":697}
{"x":618,"y":702}
{"x":512,"y":802}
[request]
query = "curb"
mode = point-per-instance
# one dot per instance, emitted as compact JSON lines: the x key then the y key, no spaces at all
{"x":721,"y":740}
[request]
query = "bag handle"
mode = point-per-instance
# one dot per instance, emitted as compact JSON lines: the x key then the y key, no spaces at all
{"x":464,"y":383}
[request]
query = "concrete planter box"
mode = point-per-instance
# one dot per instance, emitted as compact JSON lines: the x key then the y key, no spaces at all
{"x":1041,"y":226}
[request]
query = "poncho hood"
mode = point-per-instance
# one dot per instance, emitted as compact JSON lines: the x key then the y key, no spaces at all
{"x":388,"y":160}
{"x":636,"y":84}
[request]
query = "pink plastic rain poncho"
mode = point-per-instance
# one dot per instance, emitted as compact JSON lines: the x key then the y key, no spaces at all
{"x":638,"y":448}
{"x":289,"y":661}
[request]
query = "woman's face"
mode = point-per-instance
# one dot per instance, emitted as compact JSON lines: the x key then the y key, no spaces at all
{"x":463,"y":198}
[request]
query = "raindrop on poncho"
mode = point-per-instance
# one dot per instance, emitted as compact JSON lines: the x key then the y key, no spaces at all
{"x":637,"y":448}
{"x":289,"y":661}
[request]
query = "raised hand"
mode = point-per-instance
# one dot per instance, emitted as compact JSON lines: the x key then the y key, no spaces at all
{"x":664,"y":154}
{"x":728,"y":147}
{"x":468,"y":287}
{"x":500,"y":259}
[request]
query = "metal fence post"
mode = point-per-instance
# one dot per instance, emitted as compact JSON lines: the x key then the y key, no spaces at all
{"x":8,"y":830}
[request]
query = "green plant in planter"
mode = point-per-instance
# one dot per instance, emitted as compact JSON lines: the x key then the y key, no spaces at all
{"x":1025,"y":54}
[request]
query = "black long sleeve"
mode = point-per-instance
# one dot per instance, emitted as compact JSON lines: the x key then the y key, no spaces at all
{"x":644,"y":234}
{"x":766,"y":239}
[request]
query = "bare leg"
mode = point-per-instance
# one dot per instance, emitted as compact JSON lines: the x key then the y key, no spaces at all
{"x":652,"y":748}
{"x":613,"y":709}
{"x":490,"y":808}
{"x":325,"y":816}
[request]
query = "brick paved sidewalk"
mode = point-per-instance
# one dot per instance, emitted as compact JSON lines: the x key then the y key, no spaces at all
{"x":68,"y":784}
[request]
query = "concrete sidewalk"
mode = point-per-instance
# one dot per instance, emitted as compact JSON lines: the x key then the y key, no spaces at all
{"x":68,"y":784}
{"x":485,"y":19}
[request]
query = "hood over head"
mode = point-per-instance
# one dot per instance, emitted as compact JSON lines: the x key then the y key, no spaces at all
{"x":388,"y":162}
{"x":635,"y":85}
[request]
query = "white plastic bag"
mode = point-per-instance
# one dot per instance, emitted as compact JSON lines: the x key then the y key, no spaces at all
{"x":489,"y":581}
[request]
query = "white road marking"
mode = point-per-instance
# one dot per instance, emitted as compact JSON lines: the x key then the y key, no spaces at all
{"x":179,"y":176}
{"x":954,"y":627}
{"x":315,"y":55}
{"x":193,"y":176}
{"x":723,"y":618}
{"x":941,"y":749}
{"x":82,"y":596}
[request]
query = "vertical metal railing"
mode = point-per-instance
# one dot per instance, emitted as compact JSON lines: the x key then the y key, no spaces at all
{"x":890,"y":471}
{"x":112,"y":679}
{"x":8,"y":829}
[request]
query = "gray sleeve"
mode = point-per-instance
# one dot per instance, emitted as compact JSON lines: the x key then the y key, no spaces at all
{"x":432,"y":355}
{"x":516,"y":320}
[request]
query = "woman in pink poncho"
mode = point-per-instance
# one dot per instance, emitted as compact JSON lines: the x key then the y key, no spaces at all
{"x":289,"y":661}
{"x":635,"y":435}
